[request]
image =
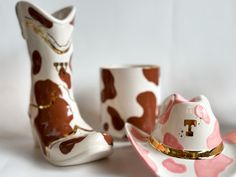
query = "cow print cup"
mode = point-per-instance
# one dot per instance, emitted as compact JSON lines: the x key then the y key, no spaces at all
{"x":129,"y":93}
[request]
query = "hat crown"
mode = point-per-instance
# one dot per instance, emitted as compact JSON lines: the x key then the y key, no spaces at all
{"x":187,"y":125}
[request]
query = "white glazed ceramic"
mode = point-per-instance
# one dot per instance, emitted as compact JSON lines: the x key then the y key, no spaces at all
{"x":64,"y":137}
{"x":187,"y":125}
{"x":171,"y":132}
{"x":129,"y":93}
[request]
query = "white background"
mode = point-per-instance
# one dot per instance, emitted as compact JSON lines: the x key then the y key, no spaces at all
{"x":193,"y":41}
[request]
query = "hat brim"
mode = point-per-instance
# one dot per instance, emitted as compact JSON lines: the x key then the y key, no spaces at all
{"x":166,"y":166}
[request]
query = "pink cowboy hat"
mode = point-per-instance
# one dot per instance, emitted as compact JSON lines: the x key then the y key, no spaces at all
{"x":186,"y":141}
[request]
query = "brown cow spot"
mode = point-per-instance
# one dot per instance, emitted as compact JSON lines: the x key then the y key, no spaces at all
{"x":117,"y":121}
{"x":68,"y":145}
{"x":109,"y":91}
{"x":106,"y":126}
{"x":40,"y":18}
{"x":46,"y":91}
{"x":65,"y":77}
{"x":36,"y":62}
{"x":125,"y":137}
{"x":147,"y":121}
{"x":108,"y":138}
{"x":53,"y":119}
{"x":152,"y":75}
{"x":72,"y":22}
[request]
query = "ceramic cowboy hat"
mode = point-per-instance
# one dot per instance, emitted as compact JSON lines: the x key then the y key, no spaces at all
{"x":186,"y":141}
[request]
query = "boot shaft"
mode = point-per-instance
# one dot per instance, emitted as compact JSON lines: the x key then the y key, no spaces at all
{"x":49,"y":41}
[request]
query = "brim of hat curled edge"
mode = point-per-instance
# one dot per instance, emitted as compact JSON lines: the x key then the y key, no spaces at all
{"x":166,"y":166}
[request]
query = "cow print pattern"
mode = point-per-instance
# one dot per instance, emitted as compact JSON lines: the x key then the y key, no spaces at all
{"x":54,"y":116}
{"x":108,"y":138}
{"x":147,"y":121}
{"x":53,"y":109}
{"x":53,"y":122}
{"x":109,"y":91}
{"x":65,"y":77}
{"x":204,"y":168}
{"x":172,"y":141}
{"x":106,"y":126}
{"x":36,"y":62}
{"x":117,"y":121}
{"x":68,"y":145}
{"x":152,"y":75}
{"x":146,"y":99}
{"x":173,"y":166}
{"x":73,"y":22}
{"x":40,"y":18}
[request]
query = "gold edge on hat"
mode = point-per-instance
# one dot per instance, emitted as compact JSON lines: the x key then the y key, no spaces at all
{"x":184,"y":154}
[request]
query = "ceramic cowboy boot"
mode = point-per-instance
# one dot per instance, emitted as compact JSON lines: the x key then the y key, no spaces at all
{"x":63,"y":136}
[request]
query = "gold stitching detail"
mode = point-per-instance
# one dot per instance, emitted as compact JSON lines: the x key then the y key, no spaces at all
{"x":53,"y":98}
{"x":76,"y":128}
{"x":40,"y":32}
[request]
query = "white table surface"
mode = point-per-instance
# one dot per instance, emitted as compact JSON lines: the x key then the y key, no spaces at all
{"x":20,"y":158}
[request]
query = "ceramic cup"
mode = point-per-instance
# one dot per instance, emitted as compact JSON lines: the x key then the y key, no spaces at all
{"x":129,"y":93}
